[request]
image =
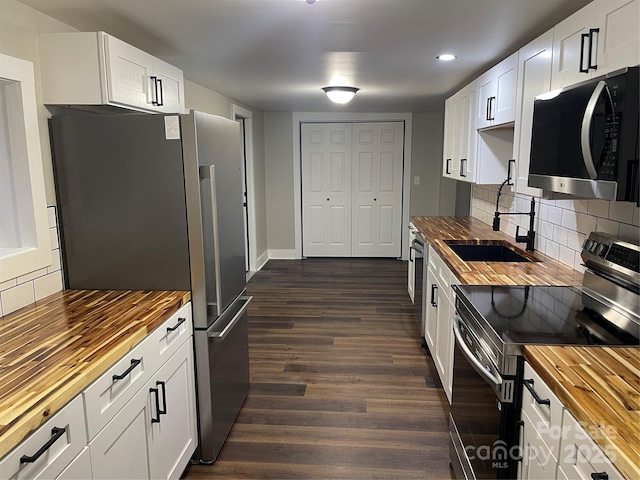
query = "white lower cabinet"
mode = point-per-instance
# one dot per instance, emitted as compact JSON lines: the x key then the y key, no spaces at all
{"x":136,"y":421}
{"x":439,"y":304}
{"x":154,"y":435}
{"x":50,"y":449}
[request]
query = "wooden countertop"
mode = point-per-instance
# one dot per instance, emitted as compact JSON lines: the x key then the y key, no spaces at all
{"x":542,"y":271}
{"x":600,"y":386}
{"x":52,"y":350}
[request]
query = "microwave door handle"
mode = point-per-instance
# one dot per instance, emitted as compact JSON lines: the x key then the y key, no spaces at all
{"x":587,"y":157}
{"x":210,"y":173}
{"x":492,"y":378}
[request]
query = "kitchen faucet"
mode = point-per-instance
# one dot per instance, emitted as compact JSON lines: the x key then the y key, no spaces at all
{"x":529,"y":238}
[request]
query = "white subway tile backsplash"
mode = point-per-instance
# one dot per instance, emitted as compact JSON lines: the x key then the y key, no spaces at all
{"x":51,"y":212}
{"x":570,"y":219}
{"x":566,"y":255}
{"x":45,"y":286}
{"x":552,"y":249}
{"x":24,"y":290}
{"x":575,"y":240}
{"x":554,"y":215}
{"x":607,"y":226}
{"x":543,"y":211}
{"x":621,"y":211}
{"x":586,"y":223}
{"x":53,"y":235}
{"x":31,"y":276}
{"x":560,"y":235}
{"x":629,"y":233}
{"x":599,"y":208}
{"x":17,"y":297}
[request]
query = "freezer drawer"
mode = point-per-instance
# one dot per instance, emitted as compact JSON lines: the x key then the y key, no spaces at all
{"x":222,"y":356}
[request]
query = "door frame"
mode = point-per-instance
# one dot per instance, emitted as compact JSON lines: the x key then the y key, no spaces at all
{"x":247,"y":116}
{"x":337,"y":117}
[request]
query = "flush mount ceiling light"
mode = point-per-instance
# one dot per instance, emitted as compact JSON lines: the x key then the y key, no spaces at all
{"x":340,"y":94}
{"x":446,"y":57}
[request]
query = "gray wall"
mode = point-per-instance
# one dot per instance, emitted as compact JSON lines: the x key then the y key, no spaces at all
{"x":278,"y":153}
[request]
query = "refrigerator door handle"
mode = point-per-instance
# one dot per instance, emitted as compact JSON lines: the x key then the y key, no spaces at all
{"x":218,"y":335}
{"x":210,"y":173}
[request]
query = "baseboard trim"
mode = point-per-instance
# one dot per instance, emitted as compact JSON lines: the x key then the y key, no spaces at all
{"x":288,"y":254}
{"x":261,"y":261}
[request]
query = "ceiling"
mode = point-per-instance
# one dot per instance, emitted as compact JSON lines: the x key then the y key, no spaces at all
{"x":275,"y":55}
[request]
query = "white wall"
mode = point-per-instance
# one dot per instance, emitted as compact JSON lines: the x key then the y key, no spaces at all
{"x":278,"y":152}
{"x":561,"y":226}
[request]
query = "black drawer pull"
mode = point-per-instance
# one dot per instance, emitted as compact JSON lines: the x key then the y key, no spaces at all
{"x":162,"y":411}
{"x":157,"y":402}
{"x":56,"y":433}
{"x":534,"y":394}
{"x":434,"y":287}
{"x":581,"y":68}
{"x":600,"y":476}
{"x":181,"y":320}
{"x":134,"y":363}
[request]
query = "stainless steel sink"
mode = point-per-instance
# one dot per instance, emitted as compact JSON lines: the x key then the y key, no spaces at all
{"x":476,"y":252}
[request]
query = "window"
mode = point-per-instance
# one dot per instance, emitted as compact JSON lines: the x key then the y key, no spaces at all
{"x":24,"y":233}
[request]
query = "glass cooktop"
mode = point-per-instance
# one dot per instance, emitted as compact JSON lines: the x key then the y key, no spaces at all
{"x":538,"y":315}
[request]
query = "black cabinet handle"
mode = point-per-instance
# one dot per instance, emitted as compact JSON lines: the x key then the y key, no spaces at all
{"x":157,"y":402}
{"x":134,"y":363}
{"x":534,"y":394}
{"x":161,"y":96}
{"x":592,"y":31}
{"x":181,"y":320}
{"x":491,"y":113}
{"x":154,"y":92}
{"x":434,"y":287}
{"x":600,"y":476}
{"x":56,"y":433}
{"x":463,"y":164}
{"x":583,"y":37}
{"x":509,"y":163}
{"x":486,"y":116}
{"x":447,"y":171}
{"x":162,"y":411}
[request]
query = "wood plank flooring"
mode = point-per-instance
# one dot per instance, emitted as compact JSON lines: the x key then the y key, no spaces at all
{"x":340,"y":386}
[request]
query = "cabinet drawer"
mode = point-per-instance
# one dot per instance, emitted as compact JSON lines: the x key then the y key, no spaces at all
{"x":580,"y":456}
{"x":167,"y":339}
{"x":64,"y":435}
{"x":79,"y":468}
{"x":110,"y":392}
{"x":545,"y":413}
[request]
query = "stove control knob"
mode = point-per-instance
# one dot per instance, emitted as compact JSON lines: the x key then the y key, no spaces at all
{"x":602,"y":250}
{"x":593,"y":247}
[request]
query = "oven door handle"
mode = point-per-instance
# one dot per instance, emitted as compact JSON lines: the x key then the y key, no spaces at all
{"x":492,"y":378}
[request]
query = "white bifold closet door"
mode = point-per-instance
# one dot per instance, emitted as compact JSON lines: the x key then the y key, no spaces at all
{"x":352,"y":189}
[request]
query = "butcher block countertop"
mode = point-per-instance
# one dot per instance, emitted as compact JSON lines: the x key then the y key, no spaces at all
{"x":52,"y":350}
{"x":600,"y":386}
{"x":542,"y":271}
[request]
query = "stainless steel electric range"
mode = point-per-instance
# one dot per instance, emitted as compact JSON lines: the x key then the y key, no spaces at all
{"x":493,"y":323}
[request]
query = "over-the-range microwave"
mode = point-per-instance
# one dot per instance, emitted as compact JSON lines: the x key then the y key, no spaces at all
{"x":585,"y":138}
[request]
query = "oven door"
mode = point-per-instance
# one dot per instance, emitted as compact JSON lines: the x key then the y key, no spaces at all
{"x":481,"y":443}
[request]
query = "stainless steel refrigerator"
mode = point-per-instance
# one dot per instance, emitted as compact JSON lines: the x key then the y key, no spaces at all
{"x":154,"y":202}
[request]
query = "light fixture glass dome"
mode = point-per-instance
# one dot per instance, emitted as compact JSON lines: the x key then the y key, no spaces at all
{"x":340,"y":94}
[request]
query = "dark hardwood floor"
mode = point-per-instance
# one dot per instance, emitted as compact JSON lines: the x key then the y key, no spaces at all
{"x":340,"y":386}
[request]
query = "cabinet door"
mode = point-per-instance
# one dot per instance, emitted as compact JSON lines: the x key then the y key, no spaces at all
{"x":129,"y":72}
{"x":170,"y":87}
{"x":79,"y":468}
{"x":503,"y":108}
{"x":431,"y":308}
{"x":122,"y":450}
{"x":467,"y":133}
{"x":534,"y":78}
{"x":174,"y":437}
{"x":444,"y":335}
{"x":569,"y":49}
{"x":619,"y":34}
{"x":487,"y":91}
{"x":449,"y":163}
{"x":537,"y":461}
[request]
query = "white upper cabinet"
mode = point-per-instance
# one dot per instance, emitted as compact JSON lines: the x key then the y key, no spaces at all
{"x":601,"y":37}
{"x":467,"y":134}
{"x":534,"y":78}
{"x":451,"y":141}
{"x":95,"y":68}
{"x":497,"y":94}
